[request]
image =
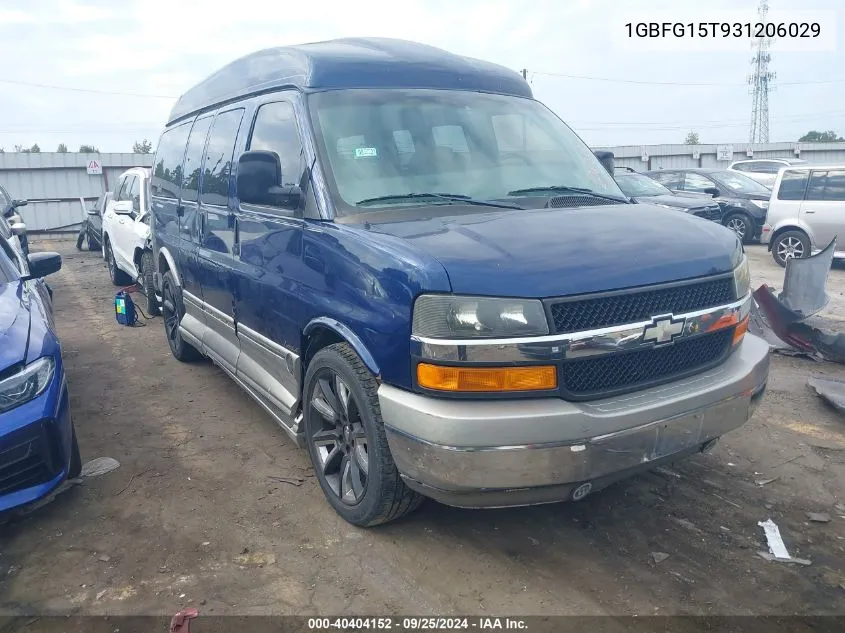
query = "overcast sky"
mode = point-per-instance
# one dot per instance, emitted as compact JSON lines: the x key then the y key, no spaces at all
{"x":159,"y":48}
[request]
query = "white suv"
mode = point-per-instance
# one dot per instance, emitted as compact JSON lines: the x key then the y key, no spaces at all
{"x":126,"y":234}
{"x":806,"y":211}
{"x":764,"y":170}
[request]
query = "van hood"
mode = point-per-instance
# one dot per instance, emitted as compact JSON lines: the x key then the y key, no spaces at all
{"x":14,"y":325}
{"x":556,"y":252}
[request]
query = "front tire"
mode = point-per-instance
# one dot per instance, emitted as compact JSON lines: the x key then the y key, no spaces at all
{"x":346,"y":441}
{"x":172,"y":311}
{"x":147,"y":270}
{"x":91,"y":243}
{"x":117,"y":276}
{"x":742,"y":225}
{"x":789,"y":245}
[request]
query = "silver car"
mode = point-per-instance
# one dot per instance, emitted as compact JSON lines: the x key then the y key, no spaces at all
{"x":764,"y":170}
{"x":806,"y":211}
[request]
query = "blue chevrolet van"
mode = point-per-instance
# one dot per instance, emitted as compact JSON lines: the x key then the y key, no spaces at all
{"x":431,"y":283}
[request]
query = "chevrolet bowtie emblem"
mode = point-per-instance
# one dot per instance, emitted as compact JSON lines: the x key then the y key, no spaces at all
{"x":663,"y":330}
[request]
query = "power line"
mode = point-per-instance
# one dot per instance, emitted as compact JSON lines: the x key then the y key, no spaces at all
{"x":31,"y":84}
{"x":793,"y":117}
{"x":679,"y":83}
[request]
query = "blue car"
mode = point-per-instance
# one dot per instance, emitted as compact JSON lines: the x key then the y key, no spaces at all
{"x":38,"y":447}
{"x":432,"y":284}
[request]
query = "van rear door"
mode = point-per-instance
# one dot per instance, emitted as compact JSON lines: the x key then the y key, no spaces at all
{"x":823,"y":208}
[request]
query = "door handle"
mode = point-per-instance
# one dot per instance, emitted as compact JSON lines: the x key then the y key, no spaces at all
{"x":809,"y":211}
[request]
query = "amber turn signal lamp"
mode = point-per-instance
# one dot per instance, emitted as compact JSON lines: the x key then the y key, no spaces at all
{"x":741,"y":329}
{"x":486,"y":379}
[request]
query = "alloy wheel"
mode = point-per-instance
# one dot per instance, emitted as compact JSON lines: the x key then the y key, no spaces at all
{"x":790,"y":247}
{"x":340,"y":441}
{"x":737,"y":225}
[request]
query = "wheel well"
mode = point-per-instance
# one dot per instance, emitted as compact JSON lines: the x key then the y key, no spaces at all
{"x":316,"y":340}
{"x":783,"y":230}
{"x":163,"y":266}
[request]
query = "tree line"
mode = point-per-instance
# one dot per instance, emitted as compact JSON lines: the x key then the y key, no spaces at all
{"x":138,"y":147}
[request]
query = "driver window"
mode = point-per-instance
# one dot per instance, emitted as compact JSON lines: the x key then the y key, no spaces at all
{"x":134,"y":194}
{"x":697,"y":183}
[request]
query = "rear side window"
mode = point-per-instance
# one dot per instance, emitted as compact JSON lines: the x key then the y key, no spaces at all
{"x":793,"y":184}
{"x":275,"y":131}
{"x":218,"y":157}
{"x":167,"y":174}
{"x":827,"y":186}
{"x":192,"y":168}
{"x":768,"y":167}
{"x":744,"y":167}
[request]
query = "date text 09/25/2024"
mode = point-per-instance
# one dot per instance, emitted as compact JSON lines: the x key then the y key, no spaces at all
{"x":416,"y":624}
{"x":723,"y":29}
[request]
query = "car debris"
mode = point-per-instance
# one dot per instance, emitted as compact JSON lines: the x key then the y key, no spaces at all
{"x":831,"y":390}
{"x":777,"y":548}
{"x":789,"y":321}
{"x":659,"y":557}
{"x":818,"y":517}
{"x":99,"y":466}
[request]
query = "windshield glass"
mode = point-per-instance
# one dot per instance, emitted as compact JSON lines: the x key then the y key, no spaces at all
{"x":741,"y":183}
{"x":639,"y":185}
{"x":396,"y":142}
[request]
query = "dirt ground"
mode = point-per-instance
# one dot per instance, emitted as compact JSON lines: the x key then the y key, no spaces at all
{"x":196,"y":515}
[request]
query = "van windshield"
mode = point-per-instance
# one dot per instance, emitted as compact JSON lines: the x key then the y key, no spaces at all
{"x":381,"y":143}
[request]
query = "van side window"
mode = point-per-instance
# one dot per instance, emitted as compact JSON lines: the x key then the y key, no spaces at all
{"x":792,"y":185}
{"x":218,"y":157}
{"x":275,"y":130}
{"x":827,"y":186}
{"x":192,"y":169}
{"x":167,"y":173}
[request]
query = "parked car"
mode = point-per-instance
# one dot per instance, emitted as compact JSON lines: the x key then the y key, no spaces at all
{"x":431,"y":283}
{"x":91,"y":231}
{"x":743,"y":201}
{"x":764,"y":170}
{"x":126,"y":234}
{"x":9,"y":207}
{"x":806,"y":212}
{"x":38,"y":446}
{"x":641,"y":188}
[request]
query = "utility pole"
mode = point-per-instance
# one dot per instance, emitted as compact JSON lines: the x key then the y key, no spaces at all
{"x":761,"y":82}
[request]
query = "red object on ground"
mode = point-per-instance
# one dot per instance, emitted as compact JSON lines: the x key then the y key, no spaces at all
{"x":181,"y":622}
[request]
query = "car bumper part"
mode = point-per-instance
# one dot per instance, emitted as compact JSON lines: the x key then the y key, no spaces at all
{"x":35,"y":446}
{"x":479,"y":453}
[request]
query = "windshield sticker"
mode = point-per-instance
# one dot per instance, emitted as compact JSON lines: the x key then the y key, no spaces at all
{"x":365,"y":152}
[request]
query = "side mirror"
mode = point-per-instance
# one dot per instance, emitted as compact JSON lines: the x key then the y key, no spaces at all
{"x":712,"y":191}
{"x":19,"y":203}
{"x":122,"y":207}
{"x":18,"y":228}
{"x":260,"y":181}
{"x":43,"y":264}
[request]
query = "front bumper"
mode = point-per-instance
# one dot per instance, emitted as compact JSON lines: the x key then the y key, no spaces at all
{"x":522,"y":452}
{"x":35,"y":446}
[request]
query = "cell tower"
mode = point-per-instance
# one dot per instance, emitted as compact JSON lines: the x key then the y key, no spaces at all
{"x":761,"y":81}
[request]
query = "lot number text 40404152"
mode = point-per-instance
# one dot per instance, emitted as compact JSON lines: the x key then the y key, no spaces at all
{"x":417,"y":624}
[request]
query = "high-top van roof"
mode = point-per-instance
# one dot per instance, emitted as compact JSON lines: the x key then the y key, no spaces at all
{"x":349,"y":63}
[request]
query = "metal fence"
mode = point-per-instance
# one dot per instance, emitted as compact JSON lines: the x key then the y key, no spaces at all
{"x":60,"y":187}
{"x":645,"y":157}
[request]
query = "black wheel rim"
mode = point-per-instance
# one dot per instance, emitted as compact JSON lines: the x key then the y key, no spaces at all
{"x":338,"y":438}
{"x":171,"y":317}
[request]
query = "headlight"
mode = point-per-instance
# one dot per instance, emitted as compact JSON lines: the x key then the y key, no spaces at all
{"x":452,"y":316}
{"x":26,"y":384}
{"x":763,"y":204}
{"x":742,"y":279}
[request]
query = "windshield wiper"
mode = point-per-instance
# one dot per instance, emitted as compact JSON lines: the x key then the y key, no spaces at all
{"x":565,"y":189}
{"x":451,"y":198}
